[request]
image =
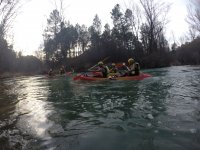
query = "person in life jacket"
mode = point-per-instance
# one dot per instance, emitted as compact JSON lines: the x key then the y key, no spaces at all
{"x":50,"y":72}
{"x":113,"y":68}
{"x":72,"y":69}
{"x":103,"y":69}
{"x":62,"y":70}
{"x":133,"y":68}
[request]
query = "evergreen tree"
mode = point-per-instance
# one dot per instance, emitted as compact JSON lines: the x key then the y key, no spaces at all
{"x":83,"y":38}
{"x":54,"y":24}
{"x":95,"y":33}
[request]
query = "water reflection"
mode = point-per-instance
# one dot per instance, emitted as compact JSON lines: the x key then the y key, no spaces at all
{"x":8,"y":98}
{"x":33,"y":107}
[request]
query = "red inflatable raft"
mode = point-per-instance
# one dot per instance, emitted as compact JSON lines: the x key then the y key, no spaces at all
{"x":91,"y":78}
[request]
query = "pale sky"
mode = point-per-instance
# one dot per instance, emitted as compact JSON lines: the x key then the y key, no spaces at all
{"x":30,"y":23}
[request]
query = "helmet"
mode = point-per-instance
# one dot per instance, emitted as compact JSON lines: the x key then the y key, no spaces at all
{"x":113,"y":64}
{"x":100,"y":63}
{"x":131,"y":61}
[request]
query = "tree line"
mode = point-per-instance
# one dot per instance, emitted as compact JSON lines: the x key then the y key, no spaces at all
{"x":131,"y":35}
{"x":137,"y":32}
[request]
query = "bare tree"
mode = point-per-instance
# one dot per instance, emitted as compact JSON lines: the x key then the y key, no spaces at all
{"x":193,"y":17}
{"x":155,"y":13}
{"x":192,"y":34}
{"x":8,"y":11}
{"x":183,"y":39}
{"x":134,"y":14}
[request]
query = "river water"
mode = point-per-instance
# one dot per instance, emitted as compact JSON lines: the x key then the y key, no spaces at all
{"x":161,"y":112}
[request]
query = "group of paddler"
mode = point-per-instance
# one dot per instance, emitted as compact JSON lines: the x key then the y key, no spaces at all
{"x":132,"y":69}
{"x":62,"y":71}
{"x":101,"y":70}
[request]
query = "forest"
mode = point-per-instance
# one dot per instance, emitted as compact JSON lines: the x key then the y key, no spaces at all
{"x":137,"y":32}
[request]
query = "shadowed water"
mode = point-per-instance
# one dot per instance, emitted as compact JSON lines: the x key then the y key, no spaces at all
{"x":162,"y":112}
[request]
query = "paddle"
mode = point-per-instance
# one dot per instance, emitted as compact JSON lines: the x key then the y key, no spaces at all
{"x":90,"y":69}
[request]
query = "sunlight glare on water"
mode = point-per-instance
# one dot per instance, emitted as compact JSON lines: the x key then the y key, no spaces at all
{"x":33,"y":106}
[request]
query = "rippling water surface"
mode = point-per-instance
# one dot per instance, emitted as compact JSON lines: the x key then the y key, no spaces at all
{"x":162,"y":112}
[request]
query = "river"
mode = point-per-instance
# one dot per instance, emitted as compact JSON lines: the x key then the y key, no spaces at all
{"x":161,"y":112}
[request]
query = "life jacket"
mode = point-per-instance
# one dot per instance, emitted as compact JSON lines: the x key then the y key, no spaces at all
{"x":137,"y":69}
{"x":134,"y":69}
{"x":105,"y":71}
{"x":113,"y":70}
{"x":62,"y":71}
{"x":50,"y":73}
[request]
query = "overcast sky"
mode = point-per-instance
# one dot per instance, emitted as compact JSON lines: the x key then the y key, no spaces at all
{"x":30,"y":23}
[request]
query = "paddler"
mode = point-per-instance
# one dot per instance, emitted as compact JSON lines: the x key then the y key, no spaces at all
{"x":103,"y":69}
{"x":133,"y":67}
{"x":50,"y":73}
{"x":113,"y":68}
{"x":62,"y":70}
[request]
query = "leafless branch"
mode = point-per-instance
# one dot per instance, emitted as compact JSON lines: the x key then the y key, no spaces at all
{"x":193,"y":17}
{"x":8,"y":12}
